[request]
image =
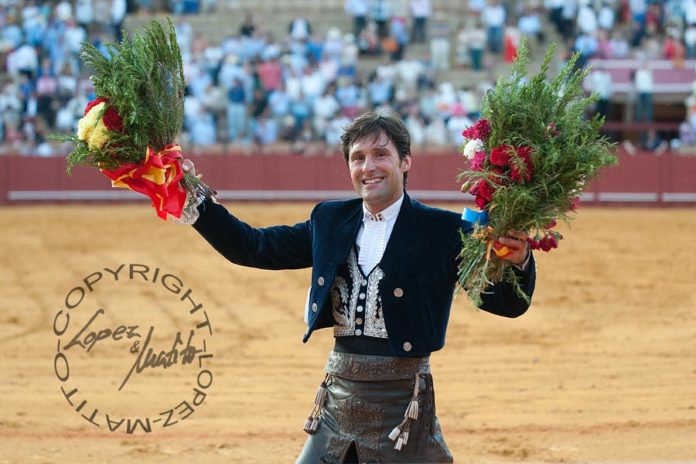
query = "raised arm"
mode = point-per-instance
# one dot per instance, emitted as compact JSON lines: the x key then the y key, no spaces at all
{"x":277,"y":247}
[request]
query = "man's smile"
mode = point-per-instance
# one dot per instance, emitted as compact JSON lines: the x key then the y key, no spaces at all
{"x":372,"y":180}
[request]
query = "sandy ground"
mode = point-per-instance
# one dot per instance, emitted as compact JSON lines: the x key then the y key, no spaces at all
{"x":601,"y":369}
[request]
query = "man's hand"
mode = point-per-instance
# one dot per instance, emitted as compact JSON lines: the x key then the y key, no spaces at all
{"x":187,"y":166}
{"x":516,"y":242}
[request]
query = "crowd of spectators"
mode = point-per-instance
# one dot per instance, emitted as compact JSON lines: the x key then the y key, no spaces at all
{"x":261,"y":87}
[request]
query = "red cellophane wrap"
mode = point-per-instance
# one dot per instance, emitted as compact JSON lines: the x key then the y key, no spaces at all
{"x":157,"y":177}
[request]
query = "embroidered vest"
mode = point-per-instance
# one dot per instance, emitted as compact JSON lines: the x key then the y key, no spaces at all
{"x":356,"y":304}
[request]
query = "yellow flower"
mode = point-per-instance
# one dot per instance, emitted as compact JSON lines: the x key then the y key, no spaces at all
{"x":99,"y":136}
{"x":91,"y":128}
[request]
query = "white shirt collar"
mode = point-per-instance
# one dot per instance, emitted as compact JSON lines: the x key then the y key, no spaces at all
{"x":387,"y":214}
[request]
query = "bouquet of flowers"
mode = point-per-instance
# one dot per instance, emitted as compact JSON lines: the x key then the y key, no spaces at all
{"x":529,"y":158}
{"x":129,"y":130}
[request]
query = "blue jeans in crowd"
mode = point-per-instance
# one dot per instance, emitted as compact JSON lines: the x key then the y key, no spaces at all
{"x":236,"y":121}
{"x":495,"y":39}
{"x":644,"y":107}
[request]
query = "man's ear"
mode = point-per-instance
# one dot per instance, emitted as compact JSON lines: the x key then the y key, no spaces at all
{"x":406,"y":163}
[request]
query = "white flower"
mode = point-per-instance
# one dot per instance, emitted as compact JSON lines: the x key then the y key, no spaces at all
{"x":471,"y":147}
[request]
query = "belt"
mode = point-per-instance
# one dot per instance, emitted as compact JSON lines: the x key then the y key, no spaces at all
{"x":362,"y":367}
{"x":359,"y":367}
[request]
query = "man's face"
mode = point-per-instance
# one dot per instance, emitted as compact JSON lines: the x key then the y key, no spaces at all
{"x":376,"y":171}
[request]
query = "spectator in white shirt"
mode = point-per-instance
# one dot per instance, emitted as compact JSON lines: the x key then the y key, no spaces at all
{"x":325,"y":108}
{"x":689,"y":8}
{"x":23,"y":59}
{"x":74,"y":36}
{"x":690,"y":41}
{"x":606,"y":17}
{"x":529,"y":24}
{"x":63,"y":11}
{"x":600,"y":81}
{"x":440,"y":43}
{"x":587,"y":18}
{"x":643,"y":80}
{"x":84,"y":13}
{"x":118,"y":15}
{"x":568,"y":16}
{"x":358,"y":10}
{"x":494,"y":18}
{"x":436,"y":133}
{"x":421,"y":10}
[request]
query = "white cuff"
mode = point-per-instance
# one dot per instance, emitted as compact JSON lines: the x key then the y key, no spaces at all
{"x":189,"y":215}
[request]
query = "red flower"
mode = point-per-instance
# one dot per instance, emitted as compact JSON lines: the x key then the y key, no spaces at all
{"x":500,"y":155}
{"x":521,"y":168}
{"x":481,"y":202}
{"x":552,"y":130}
{"x":478,"y":160}
{"x":485,"y":189}
{"x":94,"y":103}
{"x":481,"y":130}
{"x":500,"y":175}
{"x":483,"y":193}
{"x":548,"y":242}
{"x":112,"y":120}
{"x":574,"y":203}
{"x":551,"y":224}
{"x":544,"y":244}
{"x":533,"y":244}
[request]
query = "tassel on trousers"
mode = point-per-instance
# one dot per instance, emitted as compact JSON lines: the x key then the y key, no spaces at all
{"x":399,"y":434}
{"x":312,"y":423}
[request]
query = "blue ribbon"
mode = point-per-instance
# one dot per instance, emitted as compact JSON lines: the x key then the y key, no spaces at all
{"x":473,"y":217}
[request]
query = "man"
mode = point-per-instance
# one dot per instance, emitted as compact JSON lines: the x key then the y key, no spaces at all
{"x":384,"y":270}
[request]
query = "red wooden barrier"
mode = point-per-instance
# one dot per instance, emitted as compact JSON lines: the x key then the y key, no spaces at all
{"x":643,"y":178}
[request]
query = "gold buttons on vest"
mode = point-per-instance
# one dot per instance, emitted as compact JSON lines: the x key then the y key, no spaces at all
{"x":398,"y":292}
{"x":314,"y":307}
{"x":320,"y":281}
{"x":407,"y":346}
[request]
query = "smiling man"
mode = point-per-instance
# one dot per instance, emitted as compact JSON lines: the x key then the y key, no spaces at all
{"x":384,"y":269}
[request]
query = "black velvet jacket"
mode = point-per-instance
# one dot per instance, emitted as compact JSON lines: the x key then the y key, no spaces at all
{"x":420,"y":265}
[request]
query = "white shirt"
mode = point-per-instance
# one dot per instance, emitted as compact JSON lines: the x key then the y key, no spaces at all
{"x":587,"y":20}
{"x":689,"y":8}
{"x":357,"y":7}
{"x":644,"y":81}
{"x":374,"y":234}
{"x":494,"y":16}
{"x":22,"y":58}
{"x":600,"y":82}
{"x":118,"y":11}
{"x":606,"y":18}
{"x":421,"y":8}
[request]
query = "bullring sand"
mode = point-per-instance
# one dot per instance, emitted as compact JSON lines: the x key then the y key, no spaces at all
{"x":601,"y":369}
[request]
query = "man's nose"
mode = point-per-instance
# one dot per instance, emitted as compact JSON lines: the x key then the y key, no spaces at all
{"x":369,"y":164}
